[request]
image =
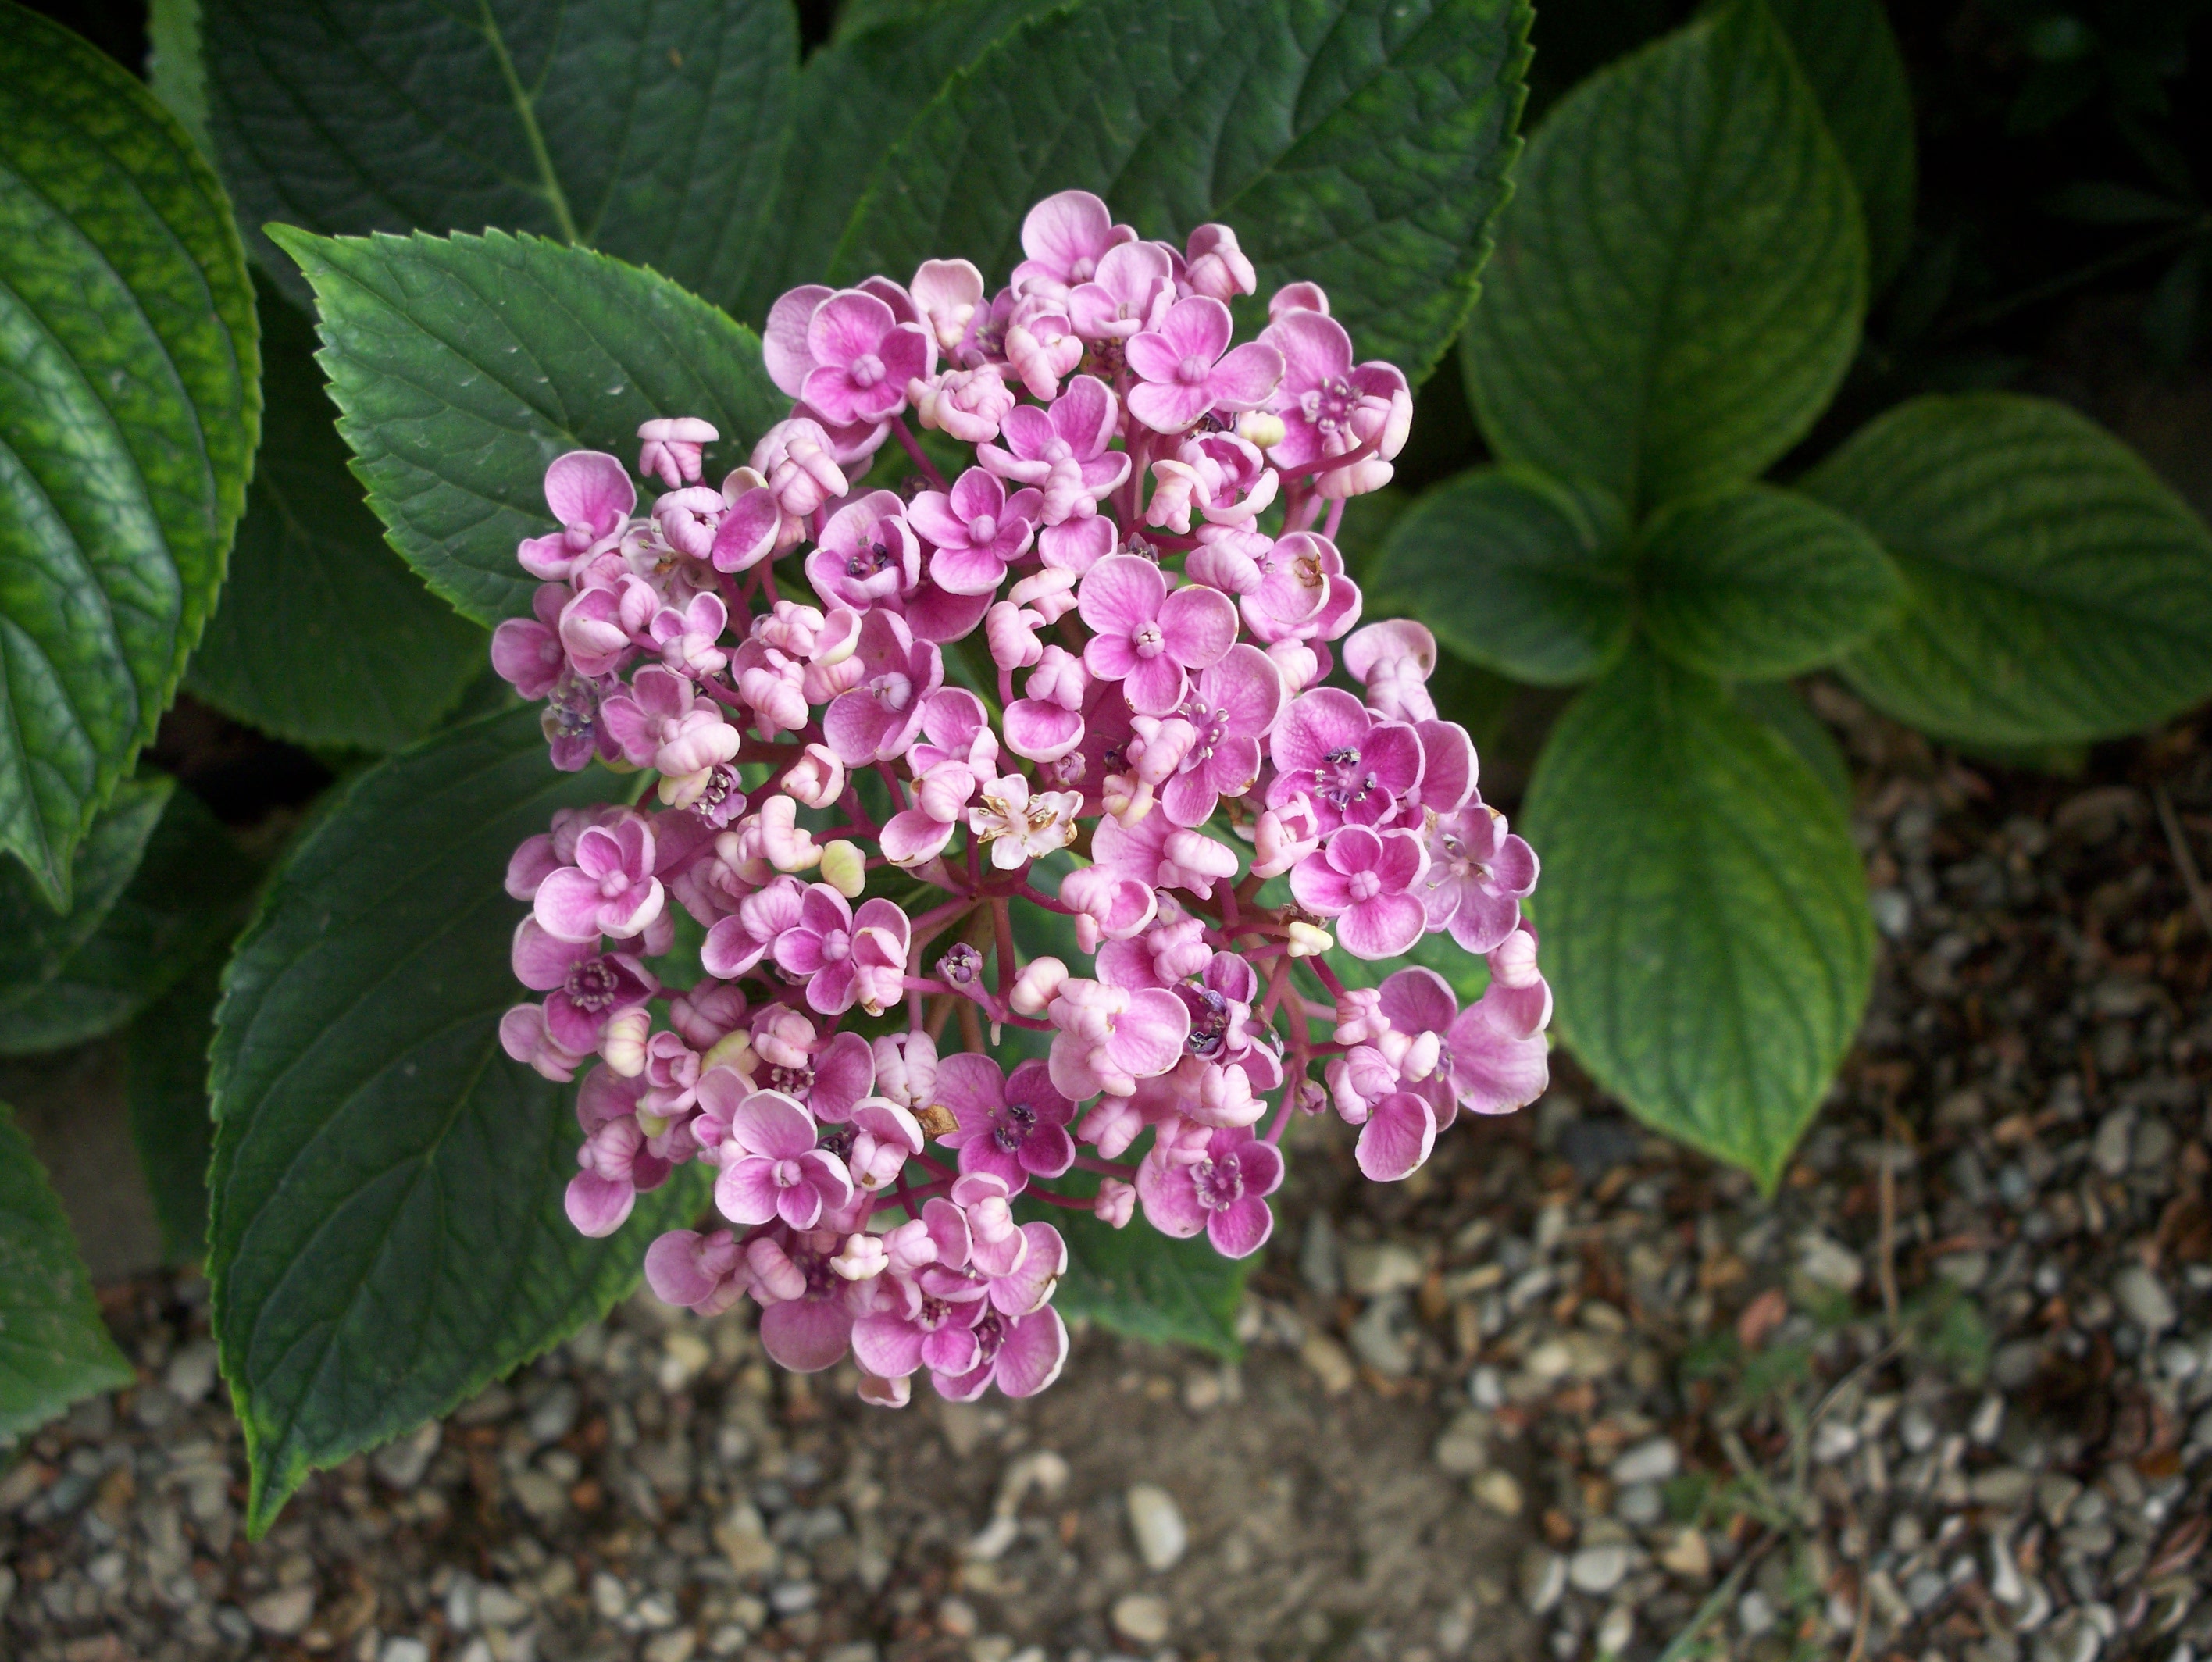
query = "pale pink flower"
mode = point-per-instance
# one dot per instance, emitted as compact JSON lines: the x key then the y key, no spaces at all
{"x":1014,"y":1125}
{"x":1146,"y":637}
{"x":671,"y":448}
{"x":863,"y":358}
{"x":609,"y":890}
{"x":1479,"y":874}
{"x":1131,"y":290}
{"x":830,"y":945}
{"x":1367,"y":882}
{"x":592,"y":496}
{"x":771,"y":1168}
{"x":976,"y":528}
{"x":1215,"y":266}
{"x":1219,"y":1188}
{"x":1110,"y":1038}
{"x":1185,"y":372}
{"x":1019,"y":825}
{"x":617,"y":1165}
{"x":706,"y":1274}
{"x":1065,"y":237}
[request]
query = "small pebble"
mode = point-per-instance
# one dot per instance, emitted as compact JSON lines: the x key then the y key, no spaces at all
{"x":1142,"y":1616}
{"x":1598,"y":1568}
{"x":191,"y":1374}
{"x":1652,"y":1461}
{"x":1371,"y":1268}
{"x":283,"y":1613}
{"x":1157,"y":1524}
{"x":1543,"y":1579}
{"x":1499,"y":1491}
{"x":404,"y":1650}
{"x":1463,"y":1447}
{"x":2144,"y":1297}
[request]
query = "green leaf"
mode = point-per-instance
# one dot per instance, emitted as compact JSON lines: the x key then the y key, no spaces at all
{"x":1704,"y":910}
{"x":465,"y":365}
{"x":1139,"y":1282}
{"x":1760,"y":583}
{"x":856,"y":96}
{"x":40,"y":943}
{"x":53,"y":1347}
{"x":188,"y":897}
{"x":1681,"y":278}
{"x":1849,"y":55}
{"x":1513,"y":572}
{"x":1361,"y":144}
{"x":128,"y":416}
{"x":2057,"y":591}
{"x":386,"y":1231}
{"x":653,"y":132}
{"x":164,"y":1088}
{"x":1784,"y":709}
{"x":323,"y":636}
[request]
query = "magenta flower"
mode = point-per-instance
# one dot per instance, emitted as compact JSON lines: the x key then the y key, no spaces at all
{"x":583,"y":986}
{"x":1354,"y":769}
{"x":1145,"y":637}
{"x":1215,"y":265}
{"x":771,"y":1167}
{"x":1500,"y":1061}
{"x":863,"y":357}
{"x":1365,"y":881}
{"x":1220,"y":1191}
{"x":1328,"y":406}
{"x":527,"y":651}
{"x":1014,"y":1126}
{"x":706,"y":1274}
{"x":1161,"y":854}
{"x":658,"y":723}
{"x":524,"y":1037}
{"x":867,"y":554}
{"x":841,"y":955}
{"x":1479,"y":874}
{"x":1110,"y":1037}
{"x":1062,"y":452}
{"x":609,"y":890}
{"x":590,"y":494}
{"x":977,"y":531}
{"x":1185,"y":372}
{"x":1131,"y":290}
{"x":617,"y":1165}
{"x":1233,"y":705}
{"x":807,"y":1319}
{"x":930,"y":1323}
{"x":877,"y":718}
{"x":1065,"y":236}
{"x":1020,"y":1355}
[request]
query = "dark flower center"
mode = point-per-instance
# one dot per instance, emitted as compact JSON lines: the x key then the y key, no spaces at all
{"x":1220,"y":1183}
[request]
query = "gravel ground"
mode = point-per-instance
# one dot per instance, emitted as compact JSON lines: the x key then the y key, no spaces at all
{"x":1948,"y":1395}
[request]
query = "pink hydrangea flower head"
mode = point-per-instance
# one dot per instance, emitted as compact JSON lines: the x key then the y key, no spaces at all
{"x":1186,"y":367}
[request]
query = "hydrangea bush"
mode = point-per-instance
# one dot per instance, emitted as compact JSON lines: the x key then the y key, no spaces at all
{"x":1111,"y":667}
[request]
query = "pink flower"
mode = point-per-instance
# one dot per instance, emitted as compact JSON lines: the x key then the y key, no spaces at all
{"x":671,"y":448}
{"x":1109,"y":905}
{"x":583,"y":986}
{"x":525,"y":1036}
{"x":968,"y":404}
{"x":1020,"y":826}
{"x":1042,"y":345}
{"x":1046,"y":722}
{"x":1352,"y":767}
{"x":1479,"y":874}
{"x":1014,"y":1126}
{"x":1364,"y":880}
{"x":706,"y":1274}
{"x":798,"y":462}
{"x":771,"y":1168}
{"x":1162,"y":854}
{"x":1232,"y":705}
{"x":946,"y":292}
{"x":590,"y":494}
{"x":978,"y":532}
{"x":877,"y":718}
{"x":1020,"y":1355}
{"x":1218,"y":1187}
{"x":1393,"y":660}
{"x":1498,"y":1060}
{"x":1065,"y":236}
{"x":1329,"y":406}
{"x":863,"y":358}
{"x":807,"y":1319}
{"x":1110,"y":1038}
{"x":1216,"y":266}
{"x":866,"y":553}
{"x":609,"y":890}
{"x":1062,"y":452}
{"x":833,"y":948}
{"x":1185,"y":373}
{"x":657,"y":723}
{"x":1131,"y":290}
{"x":1145,"y":637}
{"x":617,"y":1165}
{"x":527,"y":651}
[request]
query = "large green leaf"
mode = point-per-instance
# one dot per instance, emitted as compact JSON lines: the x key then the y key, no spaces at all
{"x":1704,"y":910}
{"x":40,"y":943}
{"x":323,"y":636}
{"x":2058,"y":591}
{"x":651,"y":131}
{"x":128,"y":416}
{"x":53,"y":1348}
{"x":463,"y":365}
{"x":1513,"y":572}
{"x":164,"y":1088}
{"x":1361,"y":144}
{"x":386,"y":1231}
{"x":1850,"y":56}
{"x":856,"y":96}
{"x":1759,"y":583}
{"x":1681,"y":278}
{"x":188,"y":896}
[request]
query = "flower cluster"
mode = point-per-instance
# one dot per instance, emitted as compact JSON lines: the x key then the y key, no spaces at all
{"x":1109,"y":671}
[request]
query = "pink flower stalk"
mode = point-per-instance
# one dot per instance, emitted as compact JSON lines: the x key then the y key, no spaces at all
{"x":1068,"y":674}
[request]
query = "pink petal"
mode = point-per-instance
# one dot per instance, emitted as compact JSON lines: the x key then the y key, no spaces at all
{"x":1121,"y":594}
{"x":1262,"y":1162}
{"x":1315,"y":348}
{"x":888,"y":1347}
{"x":1169,"y":406}
{"x":1316,"y":723}
{"x":783,"y":342}
{"x":1169,"y":1201}
{"x":1084,"y":414}
{"x":541,"y":960}
{"x":1042,"y":1265}
{"x":1032,"y":1353}
{"x":1199,"y":625}
{"x":589,"y":487}
{"x":1153,"y":356}
{"x":1246,"y":687}
{"x":1154,"y":686}
{"x":1040,"y":731}
{"x":772,"y":1125}
{"x":844,"y":1072}
{"x":805,"y":1335}
{"x":1418,"y":1000}
{"x":1199,"y":326}
{"x":1397,"y":1138}
{"x":1244,"y":378}
{"x":967,"y":570}
{"x":598,"y":1205}
{"x":746,"y":1191}
{"x":847,"y":325}
{"x":1448,"y":765}
{"x":1384,"y":927}
{"x":1242,"y":1229}
{"x":1148,"y":1037}
{"x":567,"y":905}
{"x":673,"y":1270}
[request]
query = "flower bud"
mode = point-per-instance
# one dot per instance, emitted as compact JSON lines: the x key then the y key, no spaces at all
{"x":1009,"y":630}
{"x":787,"y":844}
{"x":1513,"y":960}
{"x":1035,"y":986}
{"x":624,"y":1045}
{"x":1421,"y":1056}
{"x":672,"y":447}
{"x":1116,"y":1203}
{"x":774,"y":1272}
{"x":784,"y":1038}
{"x":816,"y":779}
{"x":1260,"y":428}
{"x":1308,"y":940}
{"x":844,"y":868}
{"x":862,"y":1259}
{"x":733,"y":1051}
